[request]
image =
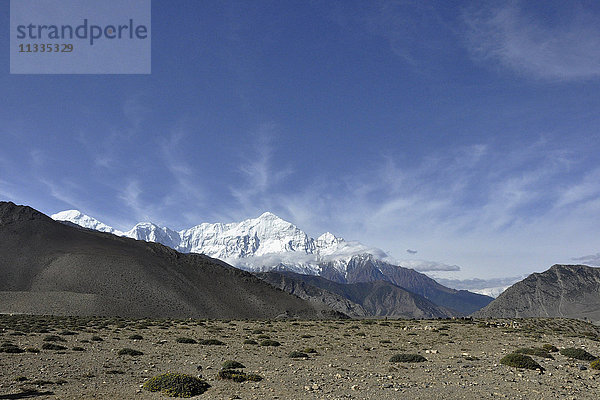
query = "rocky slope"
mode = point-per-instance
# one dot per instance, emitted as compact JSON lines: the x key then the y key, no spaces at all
{"x":571,"y":291}
{"x":294,"y":284}
{"x":49,"y":268}
{"x":366,"y":268}
{"x":379,"y":298}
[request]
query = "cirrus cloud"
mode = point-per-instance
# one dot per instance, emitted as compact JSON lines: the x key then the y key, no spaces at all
{"x":528,"y":45}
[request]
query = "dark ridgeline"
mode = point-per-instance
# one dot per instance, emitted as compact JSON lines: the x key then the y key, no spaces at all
{"x":570,"y":291}
{"x":47,"y":267}
{"x":379,"y":298}
{"x":369,"y":269}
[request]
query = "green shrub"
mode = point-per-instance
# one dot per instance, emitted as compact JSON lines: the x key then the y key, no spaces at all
{"x":176,"y":385}
{"x":230,"y":364}
{"x":250,"y":341}
{"x":135,"y":337}
{"x":52,"y":346}
{"x":211,"y":342}
{"x":263,"y":337}
{"x":309,"y":350}
{"x":257,"y":331}
{"x":550,"y":348}
{"x":578,"y":354}
{"x":595,"y":364}
{"x":297,"y":354}
{"x":32,"y":350}
{"x":185,"y":340}
{"x":411,"y":358}
{"x":78,"y":348}
{"x":10,"y":348}
{"x":238,"y":376}
{"x":53,"y":338}
{"x":535,"y":351}
{"x":114,"y":372}
{"x":233,"y":375}
{"x":520,"y":361}
{"x":270,"y":342}
{"x":96,"y":339}
{"x":129,"y":352}
{"x":42,"y":382}
{"x":254,"y":377}
{"x":20,"y":379}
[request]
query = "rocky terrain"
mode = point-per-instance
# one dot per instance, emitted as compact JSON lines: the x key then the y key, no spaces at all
{"x":571,"y":291}
{"x":342,"y":359}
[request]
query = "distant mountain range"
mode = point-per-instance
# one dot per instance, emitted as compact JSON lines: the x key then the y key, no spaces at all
{"x":47,"y":267}
{"x":269,"y":243}
{"x":255,"y":244}
{"x":571,"y":291}
{"x":376,"y":298}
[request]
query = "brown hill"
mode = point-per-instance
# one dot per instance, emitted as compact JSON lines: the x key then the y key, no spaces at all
{"x":50,"y":268}
{"x":571,"y":291}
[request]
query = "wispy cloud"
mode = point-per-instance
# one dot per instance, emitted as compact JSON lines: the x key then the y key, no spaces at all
{"x":7,"y":191}
{"x":403,"y":24}
{"x":187,"y":183}
{"x":592,"y":259}
{"x":471,"y":284}
{"x":505,"y":33}
{"x":65,"y":191}
{"x":588,"y":188}
{"x":470,"y":202}
{"x":132,"y":197}
{"x":428,"y":266}
{"x":259,"y":175}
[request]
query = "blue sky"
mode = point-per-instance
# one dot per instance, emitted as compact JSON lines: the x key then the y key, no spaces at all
{"x":468,"y":131}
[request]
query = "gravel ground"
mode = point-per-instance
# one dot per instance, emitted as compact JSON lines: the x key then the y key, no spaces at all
{"x":352,"y":359}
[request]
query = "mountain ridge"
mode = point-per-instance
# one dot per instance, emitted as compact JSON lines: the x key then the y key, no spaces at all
{"x":376,"y":298}
{"x":564,"y":290}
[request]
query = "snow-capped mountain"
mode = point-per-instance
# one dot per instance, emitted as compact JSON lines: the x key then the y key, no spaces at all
{"x":78,"y":218}
{"x":257,"y":244}
{"x":270,"y":243}
{"x":492,"y":292}
{"x":150,"y":232}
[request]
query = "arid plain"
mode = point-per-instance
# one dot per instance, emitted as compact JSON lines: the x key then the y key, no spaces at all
{"x":346,"y":359}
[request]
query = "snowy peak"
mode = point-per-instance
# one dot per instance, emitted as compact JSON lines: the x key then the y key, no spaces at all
{"x":150,"y":232}
{"x":254,"y":244}
{"x":328,"y":239}
{"x":252,"y":237}
{"x":78,"y":218}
